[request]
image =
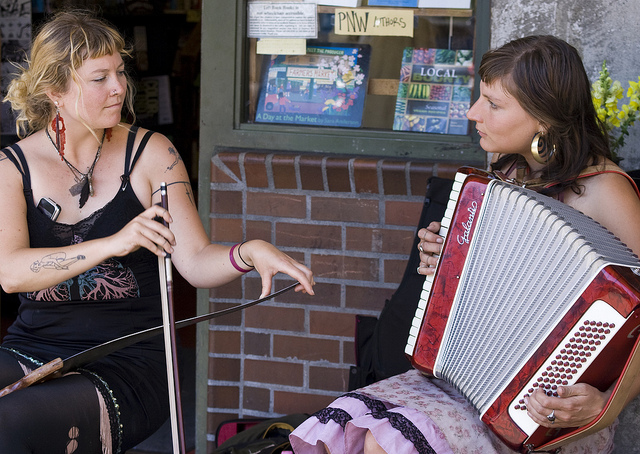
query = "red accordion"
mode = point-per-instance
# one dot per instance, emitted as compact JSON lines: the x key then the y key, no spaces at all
{"x":528,"y":294}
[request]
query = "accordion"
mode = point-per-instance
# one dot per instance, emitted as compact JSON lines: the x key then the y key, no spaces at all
{"x":528,"y":294}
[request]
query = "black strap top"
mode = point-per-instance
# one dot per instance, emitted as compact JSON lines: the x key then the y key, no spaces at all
{"x":117,"y":297}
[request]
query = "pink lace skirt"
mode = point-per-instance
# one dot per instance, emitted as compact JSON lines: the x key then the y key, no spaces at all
{"x":410,"y":413}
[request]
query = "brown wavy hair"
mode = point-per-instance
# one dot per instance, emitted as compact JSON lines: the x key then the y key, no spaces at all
{"x":547,"y":77}
{"x":60,"y":47}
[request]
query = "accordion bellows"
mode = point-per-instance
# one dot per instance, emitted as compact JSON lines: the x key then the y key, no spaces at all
{"x":528,"y":293}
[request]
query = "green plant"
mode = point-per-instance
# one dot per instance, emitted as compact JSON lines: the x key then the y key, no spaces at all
{"x":606,"y":94}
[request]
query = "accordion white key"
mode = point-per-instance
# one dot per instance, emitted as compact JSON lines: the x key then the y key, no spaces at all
{"x":528,"y":294}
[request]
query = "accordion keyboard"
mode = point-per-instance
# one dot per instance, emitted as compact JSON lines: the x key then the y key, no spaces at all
{"x":428,"y":281}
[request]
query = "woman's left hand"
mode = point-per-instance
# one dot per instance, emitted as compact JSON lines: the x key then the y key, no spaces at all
{"x":269,"y":261}
{"x":576,"y":406}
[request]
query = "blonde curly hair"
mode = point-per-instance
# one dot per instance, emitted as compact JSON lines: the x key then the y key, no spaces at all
{"x":60,"y":47}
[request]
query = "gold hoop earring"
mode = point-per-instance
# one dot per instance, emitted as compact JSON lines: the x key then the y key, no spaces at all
{"x":539,"y":149}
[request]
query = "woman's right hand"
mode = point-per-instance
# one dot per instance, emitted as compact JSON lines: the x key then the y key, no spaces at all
{"x":144,"y":231}
{"x":430,"y":245}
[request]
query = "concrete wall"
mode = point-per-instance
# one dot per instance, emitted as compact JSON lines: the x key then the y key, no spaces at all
{"x":599,"y":29}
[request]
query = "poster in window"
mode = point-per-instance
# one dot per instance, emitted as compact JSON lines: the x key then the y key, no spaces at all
{"x":325,"y":87}
{"x":434,"y":93}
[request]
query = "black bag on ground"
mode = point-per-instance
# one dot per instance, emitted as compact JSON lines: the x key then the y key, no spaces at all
{"x":270,"y":436}
{"x":380,"y":342}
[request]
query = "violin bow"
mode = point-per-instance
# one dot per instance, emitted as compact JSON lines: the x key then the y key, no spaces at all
{"x":59,"y":367}
{"x":170,"y":346}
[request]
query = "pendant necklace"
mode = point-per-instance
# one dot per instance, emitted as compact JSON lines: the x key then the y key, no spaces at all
{"x":84,"y":181}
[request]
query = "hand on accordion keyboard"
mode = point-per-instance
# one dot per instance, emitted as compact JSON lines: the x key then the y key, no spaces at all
{"x":576,"y":406}
{"x":430,"y":245}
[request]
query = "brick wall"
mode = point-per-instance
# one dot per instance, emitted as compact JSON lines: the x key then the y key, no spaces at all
{"x":352,"y":221}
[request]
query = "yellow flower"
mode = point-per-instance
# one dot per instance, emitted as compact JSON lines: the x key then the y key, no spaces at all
{"x":605,"y":94}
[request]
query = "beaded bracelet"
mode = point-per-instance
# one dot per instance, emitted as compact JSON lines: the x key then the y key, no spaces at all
{"x":233,"y":261}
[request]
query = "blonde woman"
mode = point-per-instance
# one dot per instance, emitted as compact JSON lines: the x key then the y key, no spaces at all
{"x":79,"y":241}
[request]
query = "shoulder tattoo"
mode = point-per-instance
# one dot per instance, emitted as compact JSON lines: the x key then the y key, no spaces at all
{"x":176,"y":159}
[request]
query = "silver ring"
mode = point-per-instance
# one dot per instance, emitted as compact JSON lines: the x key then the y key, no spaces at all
{"x":420,"y":247}
{"x":552,"y":417}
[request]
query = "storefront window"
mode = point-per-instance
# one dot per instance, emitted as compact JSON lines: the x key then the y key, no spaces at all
{"x":420,"y":84}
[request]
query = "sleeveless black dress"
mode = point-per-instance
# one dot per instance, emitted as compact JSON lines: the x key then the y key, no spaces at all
{"x":118,"y":297}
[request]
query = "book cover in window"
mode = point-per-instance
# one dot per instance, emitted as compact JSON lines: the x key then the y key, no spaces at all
{"x":325,"y":87}
{"x":434,"y":93}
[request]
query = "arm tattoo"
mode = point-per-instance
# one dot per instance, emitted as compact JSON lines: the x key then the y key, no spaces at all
{"x":55,"y":261}
{"x":177,"y":158}
{"x":187,"y":187}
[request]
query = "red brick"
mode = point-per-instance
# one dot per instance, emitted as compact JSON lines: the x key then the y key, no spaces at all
{"x":275,"y":372}
{"x":311,"y":173}
{"x":331,"y":323}
{"x":345,"y":267}
{"x":419,"y":173}
{"x":349,"y":352}
{"x":223,"y":396}
{"x":226,"y":202}
{"x":365,"y":176}
{"x":398,"y":241}
{"x":232,"y":319}
{"x":394,"y":179}
{"x":306,"y":349}
{"x":388,"y":241}
{"x":224,"y":342}
{"x":224,"y":369}
{"x":448,"y":169}
{"x":399,"y":212}
{"x":257,"y":399}
{"x":287,"y":403}
{"x":274,"y":318}
{"x":328,"y":295}
{"x":329,"y":378}
{"x":344,"y":209}
{"x":220,"y":175}
{"x":338,"y":177}
{"x":369,"y":297}
{"x":284,"y":172}
{"x":255,"y":170}
{"x":257,"y":344}
{"x":226,"y":230}
{"x":363,"y":239}
{"x":277,"y":205}
{"x":310,"y":236}
{"x":231,"y":290}
{"x":252,"y":287}
{"x":258,"y":230}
